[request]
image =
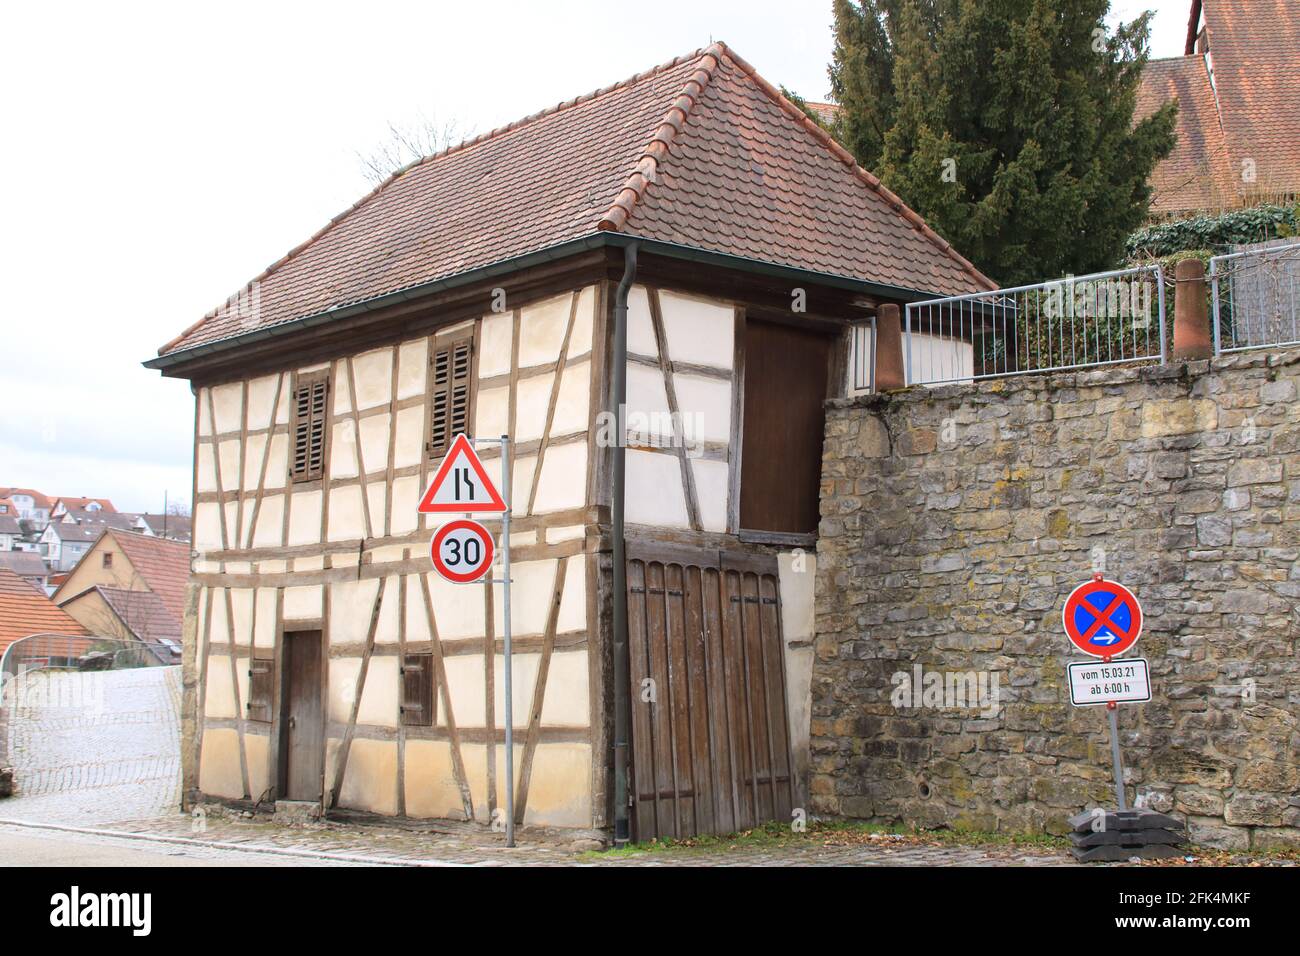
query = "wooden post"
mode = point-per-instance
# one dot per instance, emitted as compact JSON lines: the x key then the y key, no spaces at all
{"x":889,"y":350}
{"x":1191,"y":319}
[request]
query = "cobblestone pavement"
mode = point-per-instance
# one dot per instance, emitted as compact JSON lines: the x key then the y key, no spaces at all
{"x":467,"y":845}
{"x":97,"y":747}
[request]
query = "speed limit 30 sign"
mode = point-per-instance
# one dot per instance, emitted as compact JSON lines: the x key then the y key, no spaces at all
{"x":462,"y":551}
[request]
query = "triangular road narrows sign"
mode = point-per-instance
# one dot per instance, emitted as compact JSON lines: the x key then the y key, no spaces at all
{"x":462,"y":485}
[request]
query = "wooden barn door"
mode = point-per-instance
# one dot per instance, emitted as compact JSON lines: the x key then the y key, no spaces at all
{"x":710,"y":734}
{"x":302,"y":746}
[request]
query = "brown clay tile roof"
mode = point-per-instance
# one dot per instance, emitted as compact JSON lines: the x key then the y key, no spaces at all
{"x":745,"y":173}
{"x":39,"y":500}
{"x":163,"y":565}
{"x":1255,"y":48}
{"x":143,"y":613}
{"x":1195,"y":175}
{"x":24,"y":611}
{"x":80,"y":504}
{"x":1249,"y":110}
{"x":826,"y":112}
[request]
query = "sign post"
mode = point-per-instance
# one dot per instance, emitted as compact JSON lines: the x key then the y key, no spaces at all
{"x":462,"y":553}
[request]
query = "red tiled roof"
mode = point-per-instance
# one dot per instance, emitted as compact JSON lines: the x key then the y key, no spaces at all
{"x":826,"y":112}
{"x":1195,"y":175}
{"x":163,"y":566}
{"x":143,"y":613}
{"x":81,"y":504}
{"x":745,"y":173}
{"x":24,"y":611}
{"x":1255,"y":49}
{"x":1248,"y":110}
{"x":38,"y":500}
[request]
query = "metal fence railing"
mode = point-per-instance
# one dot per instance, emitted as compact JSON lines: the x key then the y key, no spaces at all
{"x":1255,"y":297}
{"x":1076,"y":322}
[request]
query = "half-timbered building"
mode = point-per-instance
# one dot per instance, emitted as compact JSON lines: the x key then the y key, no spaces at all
{"x":482,"y":290}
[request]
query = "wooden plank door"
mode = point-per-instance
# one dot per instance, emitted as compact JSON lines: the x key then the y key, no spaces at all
{"x":710,"y":731}
{"x":302,"y":750}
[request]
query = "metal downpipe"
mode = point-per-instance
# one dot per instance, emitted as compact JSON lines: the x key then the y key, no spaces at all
{"x":622,"y":673}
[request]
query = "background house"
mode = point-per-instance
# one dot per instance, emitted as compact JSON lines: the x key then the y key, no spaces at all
{"x":25,"y":611}
{"x":131,"y":587}
{"x":27,"y":566}
{"x":174,"y":527}
{"x":11,"y":532}
{"x":32,"y":505}
{"x":1238,"y":91}
{"x":63,"y":543}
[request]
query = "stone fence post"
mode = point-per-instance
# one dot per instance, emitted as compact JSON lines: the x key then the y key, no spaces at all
{"x":1192,"y":338}
{"x":889,"y":350}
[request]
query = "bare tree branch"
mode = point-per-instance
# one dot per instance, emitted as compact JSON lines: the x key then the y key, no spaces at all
{"x":407,"y":143}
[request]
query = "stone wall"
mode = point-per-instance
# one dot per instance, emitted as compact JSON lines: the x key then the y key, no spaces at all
{"x":955,"y":521}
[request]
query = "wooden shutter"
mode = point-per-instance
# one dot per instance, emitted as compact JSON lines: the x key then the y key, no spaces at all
{"x":419,"y":703}
{"x":261,"y":688}
{"x":309,"y":418}
{"x":449,"y":394}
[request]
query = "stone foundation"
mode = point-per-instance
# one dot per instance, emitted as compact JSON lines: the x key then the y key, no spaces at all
{"x":955,"y":521}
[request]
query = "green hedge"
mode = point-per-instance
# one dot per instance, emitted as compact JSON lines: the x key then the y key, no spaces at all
{"x":1258,"y":224}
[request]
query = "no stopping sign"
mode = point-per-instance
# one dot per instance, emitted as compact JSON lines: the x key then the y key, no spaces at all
{"x":462,"y":551}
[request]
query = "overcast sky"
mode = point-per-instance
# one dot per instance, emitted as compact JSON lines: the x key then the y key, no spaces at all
{"x":160,"y":155}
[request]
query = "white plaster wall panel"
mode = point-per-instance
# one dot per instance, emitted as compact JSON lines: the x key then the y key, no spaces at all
{"x":531,"y":595}
{"x":261,"y":396}
{"x":712,"y":479}
{"x":647,"y":404}
{"x":205,"y":420}
{"x":492,"y":412}
{"x":476,"y":761}
{"x":272,"y":567}
{"x":377,"y":498}
{"x":390,"y":611}
{"x":228,"y":456}
{"x":521,"y":478}
{"x":341,"y":390}
{"x":371,"y":779}
{"x":219,"y":774}
{"x":269,"y":531}
{"x":207,"y":527}
{"x":572,"y":403}
{"x":259,"y":771}
{"x":450,"y":332}
{"x":573,"y":602}
{"x":559,"y":794}
{"x":379,"y":701}
{"x":410,"y":438}
{"x":640,"y":327}
{"x":373,"y":375}
{"x":220,"y":699}
{"x":563,"y":482}
{"x":232,"y":525}
{"x":303,"y":603}
{"x":304,"y":518}
{"x":241,"y":685}
{"x":523,"y":539}
{"x":406,"y":499}
{"x":342,"y":687}
{"x":705,"y":404}
{"x":458,"y":608}
{"x":466,"y":686}
{"x":526,"y":665}
{"x":797,"y":576}
{"x":568,"y":533}
{"x":496,"y":335}
{"x":412,"y":361}
{"x":241,"y":606}
{"x":936,"y":359}
{"x":530,"y":409}
{"x":253,"y":453}
{"x":374,"y":442}
{"x":580,"y":338}
{"x":207,"y":474}
{"x":228,"y":404}
{"x":309,"y":563}
{"x":346,"y":521}
{"x":417,"y":619}
{"x":264,"y":631}
{"x":541,"y":330}
{"x":343,"y":450}
{"x":699,"y":331}
{"x":430,"y":776}
{"x":351,"y":603}
{"x":277,"y":465}
{"x":654,"y":490}
{"x":566,"y":701}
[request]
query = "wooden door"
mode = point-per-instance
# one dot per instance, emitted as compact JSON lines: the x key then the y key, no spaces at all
{"x":786,"y":374}
{"x":710,"y":732}
{"x":302,"y":750}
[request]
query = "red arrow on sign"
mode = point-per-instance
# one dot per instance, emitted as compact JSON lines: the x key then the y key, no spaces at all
{"x":461,"y":485}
